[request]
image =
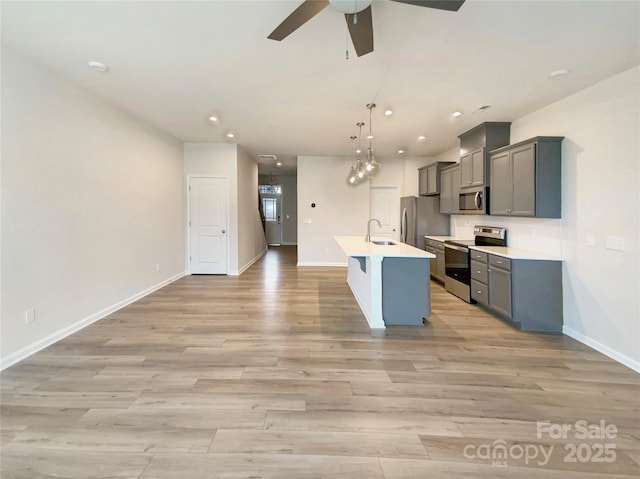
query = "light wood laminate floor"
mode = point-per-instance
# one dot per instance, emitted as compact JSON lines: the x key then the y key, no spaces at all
{"x":275,"y":374}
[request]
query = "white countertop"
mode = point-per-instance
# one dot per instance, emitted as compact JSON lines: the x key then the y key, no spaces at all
{"x":357,"y":246}
{"x":514,"y":253}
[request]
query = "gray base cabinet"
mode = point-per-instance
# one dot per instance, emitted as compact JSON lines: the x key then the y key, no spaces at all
{"x":406,"y":294}
{"x":525,"y":178}
{"x":436,"y":265}
{"x":526,"y":293}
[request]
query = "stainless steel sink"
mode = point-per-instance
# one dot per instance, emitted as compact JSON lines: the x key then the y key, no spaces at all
{"x":384,"y":243}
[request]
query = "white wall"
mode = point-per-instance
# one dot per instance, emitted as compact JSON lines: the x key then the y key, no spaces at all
{"x":600,"y":171}
{"x":600,"y":185}
{"x":251,"y":240}
{"x":340,"y":209}
{"x":245,"y":236}
{"x":289,"y":185}
{"x":220,"y":160}
{"x":92,"y":201}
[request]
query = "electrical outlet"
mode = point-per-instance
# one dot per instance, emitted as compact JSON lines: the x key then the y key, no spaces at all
{"x":30,"y":315}
{"x":158,"y":267}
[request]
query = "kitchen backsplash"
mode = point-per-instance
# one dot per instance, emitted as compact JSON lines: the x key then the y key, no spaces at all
{"x":539,"y":235}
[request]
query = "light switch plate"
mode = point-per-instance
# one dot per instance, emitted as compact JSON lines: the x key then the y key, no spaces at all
{"x":615,"y":243}
{"x":589,"y":241}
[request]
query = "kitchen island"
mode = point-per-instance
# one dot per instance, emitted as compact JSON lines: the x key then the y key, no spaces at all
{"x":389,"y":281}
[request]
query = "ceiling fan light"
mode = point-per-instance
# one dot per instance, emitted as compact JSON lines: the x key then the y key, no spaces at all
{"x":350,"y":6}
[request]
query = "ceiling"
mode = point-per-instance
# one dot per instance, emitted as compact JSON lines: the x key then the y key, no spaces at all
{"x":174,"y":63}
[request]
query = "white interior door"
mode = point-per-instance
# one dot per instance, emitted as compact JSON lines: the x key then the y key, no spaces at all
{"x":272,"y":210}
{"x":207,"y":225}
{"x":385,"y":206}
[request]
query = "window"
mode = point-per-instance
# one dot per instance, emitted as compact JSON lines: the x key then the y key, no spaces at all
{"x":269,"y":208}
{"x":271,"y":189}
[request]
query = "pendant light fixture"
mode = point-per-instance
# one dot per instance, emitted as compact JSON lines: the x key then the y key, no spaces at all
{"x":371,"y":166}
{"x":352,"y":178}
{"x":361,"y":171}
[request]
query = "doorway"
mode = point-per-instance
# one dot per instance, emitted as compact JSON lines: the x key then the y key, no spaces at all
{"x":207,"y":225}
{"x":385,"y":206}
{"x":271,"y":204}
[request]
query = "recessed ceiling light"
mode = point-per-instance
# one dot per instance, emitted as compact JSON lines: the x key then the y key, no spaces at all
{"x":358,"y":151}
{"x":558,"y":73}
{"x":98,"y":66}
{"x":400,"y":151}
{"x":456,"y":114}
{"x":369,"y":137}
{"x":422,"y":138}
{"x":279,"y":163}
{"x":388,"y":112}
{"x":213,"y":118}
{"x":231,"y":135}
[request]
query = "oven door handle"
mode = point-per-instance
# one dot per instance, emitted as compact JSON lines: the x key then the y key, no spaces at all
{"x":457,"y":248}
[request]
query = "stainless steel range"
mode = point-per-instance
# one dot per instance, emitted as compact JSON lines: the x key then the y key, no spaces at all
{"x":457,"y":259}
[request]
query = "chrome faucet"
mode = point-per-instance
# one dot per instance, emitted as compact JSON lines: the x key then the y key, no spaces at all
{"x":368,"y":237}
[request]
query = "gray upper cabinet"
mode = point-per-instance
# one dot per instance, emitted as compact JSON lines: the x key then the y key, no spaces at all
{"x":433,"y":186}
{"x":422,"y":182}
{"x":472,"y":166}
{"x":450,"y":189}
{"x":474,"y":147}
{"x":429,"y":178}
{"x":525,"y":178}
{"x":501,"y":175}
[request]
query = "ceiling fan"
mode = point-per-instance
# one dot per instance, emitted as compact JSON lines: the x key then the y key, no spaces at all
{"x":358,"y":16}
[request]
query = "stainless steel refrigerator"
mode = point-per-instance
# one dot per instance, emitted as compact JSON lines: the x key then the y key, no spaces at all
{"x":419,"y":217}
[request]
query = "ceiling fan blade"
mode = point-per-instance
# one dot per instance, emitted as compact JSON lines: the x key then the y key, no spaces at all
{"x":451,"y":5}
{"x":299,"y":17}
{"x":361,"y":32}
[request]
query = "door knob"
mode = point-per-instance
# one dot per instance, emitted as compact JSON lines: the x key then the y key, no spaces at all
{"x":223,"y":231}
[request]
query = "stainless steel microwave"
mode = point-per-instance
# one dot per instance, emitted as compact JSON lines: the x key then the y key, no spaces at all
{"x":475,"y":202}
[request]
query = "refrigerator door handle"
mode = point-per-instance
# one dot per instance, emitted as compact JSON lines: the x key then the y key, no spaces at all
{"x":403,"y":225}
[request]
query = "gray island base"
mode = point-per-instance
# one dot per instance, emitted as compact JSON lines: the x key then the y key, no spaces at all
{"x":390,"y":282}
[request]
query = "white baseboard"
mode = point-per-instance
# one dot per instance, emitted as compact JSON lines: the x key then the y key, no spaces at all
{"x":27,"y":351}
{"x":320,"y":263}
{"x":287,"y":243}
{"x":602,"y":348}
{"x":248,"y":265}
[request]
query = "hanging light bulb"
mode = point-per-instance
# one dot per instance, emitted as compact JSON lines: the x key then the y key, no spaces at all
{"x":361,"y":171}
{"x":371,"y":166}
{"x":353,"y":178}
